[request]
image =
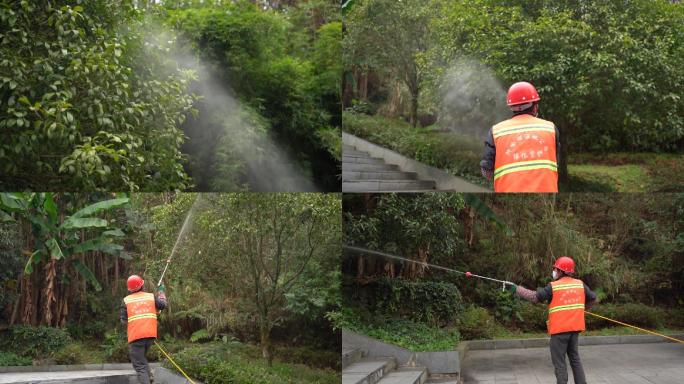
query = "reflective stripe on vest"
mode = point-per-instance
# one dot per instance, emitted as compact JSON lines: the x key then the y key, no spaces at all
{"x":525,"y":155}
{"x":566,"y":310}
{"x":142,"y":316}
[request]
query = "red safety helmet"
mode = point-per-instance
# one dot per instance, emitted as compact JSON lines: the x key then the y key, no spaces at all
{"x":134,"y":283}
{"x":565,"y":264}
{"x":522,"y":93}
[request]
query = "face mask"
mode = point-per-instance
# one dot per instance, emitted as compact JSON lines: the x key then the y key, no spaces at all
{"x":554,"y":274}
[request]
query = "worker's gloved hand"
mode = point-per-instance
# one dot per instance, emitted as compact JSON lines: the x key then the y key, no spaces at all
{"x":161,"y":288}
{"x":510,"y":287}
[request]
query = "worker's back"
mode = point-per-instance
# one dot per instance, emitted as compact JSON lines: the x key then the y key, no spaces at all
{"x":525,"y":155}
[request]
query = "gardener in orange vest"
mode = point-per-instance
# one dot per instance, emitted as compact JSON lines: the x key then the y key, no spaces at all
{"x":521,"y":152}
{"x":568,"y":298}
{"x":139,"y":312}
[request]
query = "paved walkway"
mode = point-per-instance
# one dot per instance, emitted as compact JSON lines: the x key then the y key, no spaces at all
{"x":67,"y":376}
{"x":658,"y":363}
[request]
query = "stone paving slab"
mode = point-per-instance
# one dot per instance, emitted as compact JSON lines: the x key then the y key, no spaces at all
{"x":108,"y":376}
{"x":404,"y":377}
{"x":656,"y":363}
{"x":367,"y":371}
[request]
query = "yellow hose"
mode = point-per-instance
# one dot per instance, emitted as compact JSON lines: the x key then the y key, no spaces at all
{"x":173,"y":362}
{"x":637,"y":328}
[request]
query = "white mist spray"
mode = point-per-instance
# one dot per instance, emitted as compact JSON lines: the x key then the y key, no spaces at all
{"x":472,"y":99}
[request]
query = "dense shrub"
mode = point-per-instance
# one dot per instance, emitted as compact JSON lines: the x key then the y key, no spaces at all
{"x":9,"y":359}
{"x":477,"y":323}
{"x":429,"y":301}
{"x":37,"y":342}
{"x":87,"y":100}
{"x":409,"y":334}
{"x":640,"y":315}
{"x":236,"y":363}
{"x":311,"y":357}
{"x":115,"y":347}
{"x":73,"y":354}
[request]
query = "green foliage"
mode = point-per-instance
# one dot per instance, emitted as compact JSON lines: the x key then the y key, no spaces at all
{"x":59,"y":236}
{"x":36,"y":342}
{"x":87,"y":101}
{"x":75,"y":353}
{"x":311,"y":357}
{"x":476,"y":323}
{"x":423,"y":301}
{"x":456,"y":154}
{"x":608,"y":75}
{"x":9,"y":359}
{"x":405,"y":333}
{"x":115,"y":346}
{"x":200,"y":335}
{"x":276,"y":69}
{"x":237,"y":364}
{"x":10,"y":261}
{"x":637,"y":314}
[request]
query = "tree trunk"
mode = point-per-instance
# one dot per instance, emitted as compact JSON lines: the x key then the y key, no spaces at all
{"x":265,"y":333}
{"x":414,"y":108}
{"x":49,"y":293}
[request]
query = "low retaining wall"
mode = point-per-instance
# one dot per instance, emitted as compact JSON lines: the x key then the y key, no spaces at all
{"x":443,"y":180}
{"x":583,"y":340}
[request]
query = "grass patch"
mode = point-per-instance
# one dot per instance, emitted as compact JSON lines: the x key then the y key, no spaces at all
{"x":412,"y":335}
{"x":626,"y":172}
{"x":454,"y":153}
{"x":237,"y":363}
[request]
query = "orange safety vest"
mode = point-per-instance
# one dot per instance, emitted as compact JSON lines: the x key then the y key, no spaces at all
{"x":566,"y":310}
{"x":142,"y":316}
{"x":525,"y":155}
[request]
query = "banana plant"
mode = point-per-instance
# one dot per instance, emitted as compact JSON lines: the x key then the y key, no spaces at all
{"x":58,"y":235}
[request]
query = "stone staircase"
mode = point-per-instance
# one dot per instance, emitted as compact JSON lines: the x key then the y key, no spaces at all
{"x":358,"y":369}
{"x":363,"y":173}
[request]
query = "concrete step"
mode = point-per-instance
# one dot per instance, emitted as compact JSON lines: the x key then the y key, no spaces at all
{"x":389,"y":175}
{"x":354,"y":152}
{"x":367,"y":371}
{"x":405,"y":376}
{"x":350,"y":356}
{"x":387,"y":185}
{"x":347,"y":147}
{"x":361,"y":160}
{"x":78,"y":377}
{"x":355,"y":167}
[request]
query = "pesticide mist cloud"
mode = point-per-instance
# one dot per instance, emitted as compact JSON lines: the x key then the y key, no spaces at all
{"x":472,"y":99}
{"x":234,"y":138}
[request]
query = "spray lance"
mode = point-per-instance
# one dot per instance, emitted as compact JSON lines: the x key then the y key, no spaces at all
{"x":466,"y":274}
{"x":470,"y":275}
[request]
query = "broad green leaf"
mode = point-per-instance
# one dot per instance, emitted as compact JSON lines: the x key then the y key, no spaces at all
{"x":5,"y":217}
{"x":50,"y":206}
{"x":101,"y":244}
{"x":87,"y":273}
{"x":101,"y":206}
{"x":55,"y":250}
{"x":114,"y":232}
{"x":86,"y":222}
{"x":34,"y":258}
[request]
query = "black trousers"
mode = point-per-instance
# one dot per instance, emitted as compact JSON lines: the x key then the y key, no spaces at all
{"x":137,"y":351}
{"x":567,"y":344}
